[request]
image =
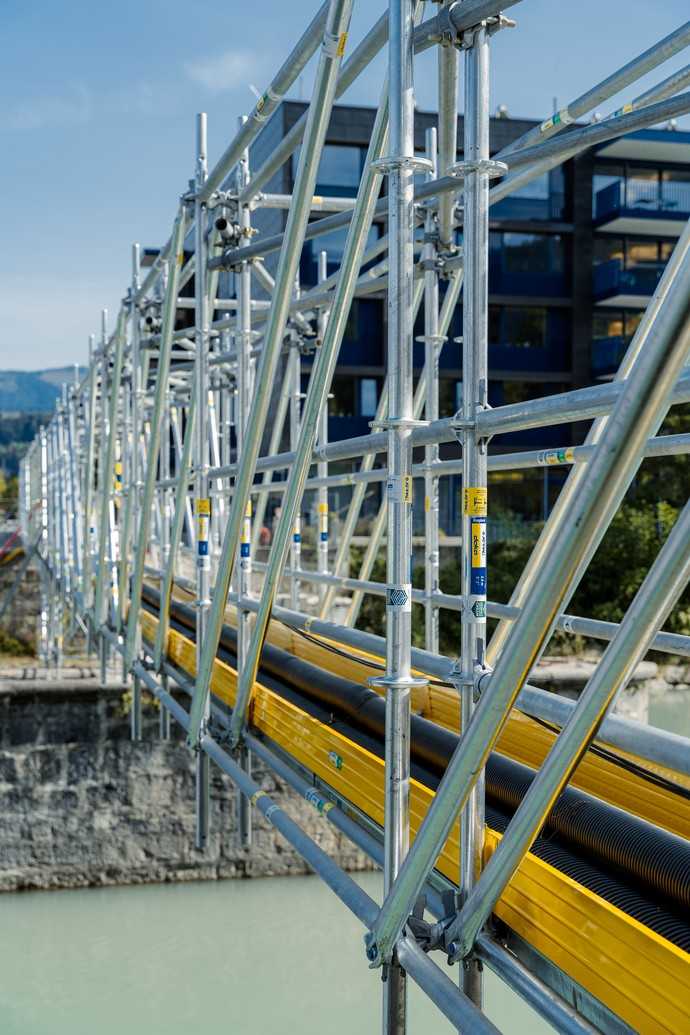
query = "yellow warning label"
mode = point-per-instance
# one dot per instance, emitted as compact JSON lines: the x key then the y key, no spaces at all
{"x":180,"y":258}
{"x":341,"y":44}
{"x":427,"y":503}
{"x":203,"y":506}
{"x":248,"y":511}
{"x":475,"y":501}
{"x":323,"y":508}
{"x":118,"y":467}
{"x":406,"y":488}
{"x":478,"y":544}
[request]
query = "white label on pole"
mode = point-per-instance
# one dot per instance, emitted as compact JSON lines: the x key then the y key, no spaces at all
{"x":399,"y":487}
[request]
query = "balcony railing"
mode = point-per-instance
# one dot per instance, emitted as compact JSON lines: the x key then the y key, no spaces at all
{"x":607,"y":354}
{"x":611,"y":279}
{"x":669,"y":198}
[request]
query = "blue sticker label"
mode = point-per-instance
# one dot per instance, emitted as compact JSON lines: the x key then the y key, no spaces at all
{"x":203,"y":548}
{"x":244,"y":550}
{"x":324,"y":537}
{"x":478,"y":556}
{"x":478,"y":582}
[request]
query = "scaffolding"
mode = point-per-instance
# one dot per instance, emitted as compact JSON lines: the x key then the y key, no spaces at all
{"x":160,"y":462}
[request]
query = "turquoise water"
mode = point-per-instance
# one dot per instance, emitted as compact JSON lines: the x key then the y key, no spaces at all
{"x":242,"y":957}
{"x":670,"y":710}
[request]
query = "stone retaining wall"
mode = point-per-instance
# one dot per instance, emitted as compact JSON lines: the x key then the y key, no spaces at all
{"x":80,"y":804}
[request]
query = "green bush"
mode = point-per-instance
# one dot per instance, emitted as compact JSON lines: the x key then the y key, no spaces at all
{"x":618,"y":568}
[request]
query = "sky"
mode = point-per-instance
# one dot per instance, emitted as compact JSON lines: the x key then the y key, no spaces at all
{"x":98,"y":111}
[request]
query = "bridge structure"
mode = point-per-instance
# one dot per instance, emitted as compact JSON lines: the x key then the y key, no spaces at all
{"x":545,"y":839}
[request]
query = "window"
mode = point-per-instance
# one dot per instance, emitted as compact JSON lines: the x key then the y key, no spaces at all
{"x":522,"y":327}
{"x":631,"y":252}
{"x":607,"y":248}
{"x":607,"y":188}
{"x":340,"y":170}
{"x":368,"y":397}
{"x":333,"y":244}
{"x":532,"y":253}
{"x":521,"y":391}
{"x":343,"y":402}
{"x":536,"y":188}
{"x":608,"y":325}
{"x":542,"y":198}
{"x":449,"y":396}
{"x":641,"y":253}
{"x":618,"y":324}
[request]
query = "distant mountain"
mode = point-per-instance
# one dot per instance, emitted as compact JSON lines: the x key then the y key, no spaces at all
{"x":32,"y":391}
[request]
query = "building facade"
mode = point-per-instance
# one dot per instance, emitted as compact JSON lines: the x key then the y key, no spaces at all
{"x":574,"y":259}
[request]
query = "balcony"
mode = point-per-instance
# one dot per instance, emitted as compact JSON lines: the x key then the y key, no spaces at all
{"x":607,"y":354}
{"x":637,"y":206}
{"x":629,"y":288}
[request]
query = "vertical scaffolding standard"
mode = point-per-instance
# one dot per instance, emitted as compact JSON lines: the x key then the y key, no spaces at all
{"x":150,"y":479}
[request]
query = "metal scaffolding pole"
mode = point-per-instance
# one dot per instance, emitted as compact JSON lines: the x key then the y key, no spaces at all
{"x":106,"y":477}
{"x":181,"y":497}
{"x":294,"y":376}
{"x":476,"y":168}
{"x":245,"y":391}
{"x":202,"y":502}
{"x":322,"y":439}
{"x":447,"y":136}
{"x":153,"y":446}
{"x":398,"y":680}
{"x":433,"y":343}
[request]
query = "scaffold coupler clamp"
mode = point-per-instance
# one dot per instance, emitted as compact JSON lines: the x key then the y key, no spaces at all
{"x":194,"y":743}
{"x":477,"y":678}
{"x":428,"y":936}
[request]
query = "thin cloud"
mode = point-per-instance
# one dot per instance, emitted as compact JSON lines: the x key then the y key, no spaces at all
{"x":74,"y":108}
{"x":224,"y":71}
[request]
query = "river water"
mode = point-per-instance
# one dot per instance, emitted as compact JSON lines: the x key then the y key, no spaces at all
{"x":245,"y":957}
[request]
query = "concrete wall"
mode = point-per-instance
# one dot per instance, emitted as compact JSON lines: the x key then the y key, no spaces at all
{"x":82,"y":805}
